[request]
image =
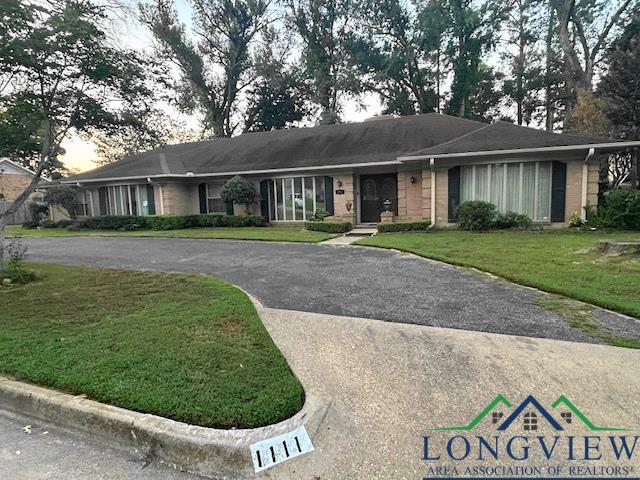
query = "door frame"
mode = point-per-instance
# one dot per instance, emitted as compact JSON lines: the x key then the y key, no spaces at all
{"x":358,"y":195}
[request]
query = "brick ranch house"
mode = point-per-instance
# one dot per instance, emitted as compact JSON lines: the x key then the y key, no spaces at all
{"x":421,"y":166}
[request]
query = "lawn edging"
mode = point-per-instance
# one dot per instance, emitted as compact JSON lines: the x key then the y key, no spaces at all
{"x":200,"y":450}
{"x":506,"y":277}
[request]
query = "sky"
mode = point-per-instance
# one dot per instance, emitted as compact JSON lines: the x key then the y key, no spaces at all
{"x":80,"y":154}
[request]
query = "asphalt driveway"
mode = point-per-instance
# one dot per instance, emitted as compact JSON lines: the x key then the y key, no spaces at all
{"x":348,"y":281}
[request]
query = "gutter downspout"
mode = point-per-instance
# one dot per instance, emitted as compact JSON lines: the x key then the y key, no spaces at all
{"x":432,"y":163}
{"x":585,"y":178}
{"x":161,"y":194}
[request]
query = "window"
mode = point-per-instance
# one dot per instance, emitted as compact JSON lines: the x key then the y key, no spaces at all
{"x":530,"y":421}
{"x":83,"y":209}
{"x":496,"y":416}
{"x":567,"y":417}
{"x":296,"y":198}
{"x":215,"y":204}
{"x":127,"y":200}
{"x":523,"y":187}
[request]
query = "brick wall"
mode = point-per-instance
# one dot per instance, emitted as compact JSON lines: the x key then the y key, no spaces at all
{"x":442,"y":197}
{"x":179,"y":199}
{"x":12,"y":185}
{"x":340,"y":201}
{"x":410,"y":195}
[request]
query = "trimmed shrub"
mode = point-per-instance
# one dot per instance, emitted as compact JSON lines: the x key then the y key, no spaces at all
{"x":39,"y":211}
{"x":47,"y":223}
{"x":404,"y":226}
{"x":476,"y":215}
{"x":30,"y":225}
{"x":64,"y":223}
{"x":170,"y":222}
{"x":328,"y":227}
{"x":115,"y":222}
{"x":620,"y":209}
{"x":512,"y":220}
{"x":238,"y":190}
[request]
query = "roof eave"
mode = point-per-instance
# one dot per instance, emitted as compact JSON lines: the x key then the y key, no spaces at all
{"x":231,"y":173}
{"x":607,"y":146}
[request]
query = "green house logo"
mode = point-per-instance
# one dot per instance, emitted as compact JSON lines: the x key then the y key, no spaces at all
{"x":532,"y":413}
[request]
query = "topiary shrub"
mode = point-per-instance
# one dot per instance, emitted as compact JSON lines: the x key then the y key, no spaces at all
{"x":239,"y":191}
{"x":404,"y":226}
{"x":512,"y":220}
{"x":328,"y":227}
{"x":620,"y":209}
{"x":39,"y":211}
{"x":476,"y":215}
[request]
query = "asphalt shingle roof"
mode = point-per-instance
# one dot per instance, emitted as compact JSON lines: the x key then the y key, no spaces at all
{"x":379,"y":140}
{"x":349,"y":143}
{"x":506,"y":136}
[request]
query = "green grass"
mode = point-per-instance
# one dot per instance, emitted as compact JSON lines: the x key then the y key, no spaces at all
{"x":274,"y":234}
{"x":554,"y":261}
{"x":580,"y":315}
{"x":186,"y":347}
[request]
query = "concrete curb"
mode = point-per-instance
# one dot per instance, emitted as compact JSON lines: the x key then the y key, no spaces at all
{"x":223,"y":454}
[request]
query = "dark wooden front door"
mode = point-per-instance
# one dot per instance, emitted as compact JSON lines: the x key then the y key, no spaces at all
{"x":374,"y":190}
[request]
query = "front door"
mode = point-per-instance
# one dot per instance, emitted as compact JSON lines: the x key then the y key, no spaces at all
{"x":374,"y":190}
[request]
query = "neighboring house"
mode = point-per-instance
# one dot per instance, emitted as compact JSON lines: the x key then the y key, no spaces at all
{"x":422,"y":166}
{"x":14,"y":178}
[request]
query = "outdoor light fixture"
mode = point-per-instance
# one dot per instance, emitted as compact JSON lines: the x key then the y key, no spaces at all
{"x":339,"y":183}
{"x":387,"y":205}
{"x":412,"y":179}
{"x":349,"y":205}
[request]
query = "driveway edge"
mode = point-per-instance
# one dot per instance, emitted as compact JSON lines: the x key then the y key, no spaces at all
{"x":205,"y":451}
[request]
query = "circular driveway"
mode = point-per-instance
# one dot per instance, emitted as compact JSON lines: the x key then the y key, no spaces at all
{"x":337,"y":280}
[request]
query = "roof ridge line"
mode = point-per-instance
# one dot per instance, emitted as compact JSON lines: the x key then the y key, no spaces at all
{"x":454,"y":139}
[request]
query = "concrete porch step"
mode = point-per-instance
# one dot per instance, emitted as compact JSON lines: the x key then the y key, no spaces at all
{"x":362,"y":231}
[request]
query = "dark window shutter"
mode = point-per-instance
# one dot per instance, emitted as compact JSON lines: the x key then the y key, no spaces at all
{"x":229,"y":208}
{"x":454,"y":194}
{"x":103,"y":197}
{"x":328,"y":195}
{"x":151,"y":199}
{"x":558,"y":191}
{"x":264,"y":199}
{"x":202,"y":194}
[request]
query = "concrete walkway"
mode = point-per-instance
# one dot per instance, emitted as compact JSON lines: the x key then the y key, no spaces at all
{"x":389,"y":384}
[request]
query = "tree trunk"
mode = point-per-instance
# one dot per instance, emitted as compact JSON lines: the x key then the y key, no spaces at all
{"x":549,"y":107}
{"x":635,"y":165}
{"x":2,"y":227}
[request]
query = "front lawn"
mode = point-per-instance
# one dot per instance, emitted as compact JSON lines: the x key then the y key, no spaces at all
{"x":553,"y":261}
{"x":186,"y":347}
{"x":276,"y":234}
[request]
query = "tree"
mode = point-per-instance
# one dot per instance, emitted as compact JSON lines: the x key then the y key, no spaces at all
{"x":322,"y":25}
{"x":278,"y":98}
{"x":486,"y":97}
{"x":59,"y":58}
{"x":63,"y":196}
{"x":587,"y":117}
{"x":553,"y":78}
{"x":216,"y":67}
{"x":523,"y":58}
{"x":155,"y":129}
{"x":391,"y":54}
{"x":20,"y":123}
{"x":620,"y":90}
{"x":471,"y":32}
{"x":584,"y":28}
